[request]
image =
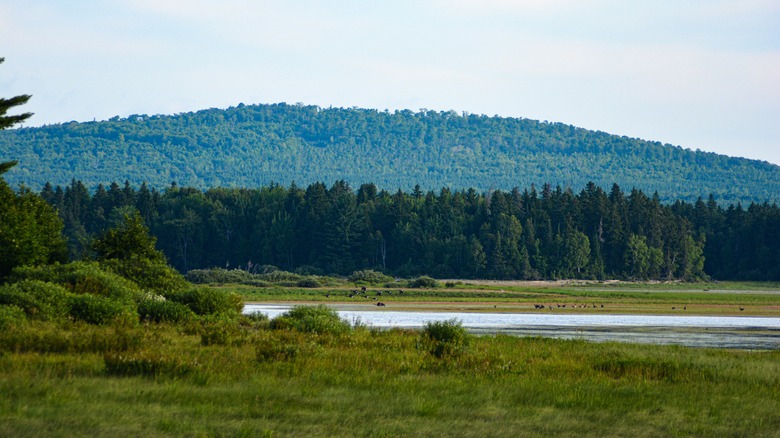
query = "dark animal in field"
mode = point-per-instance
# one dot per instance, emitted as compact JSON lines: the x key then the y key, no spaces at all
{"x":401,"y":291}
{"x":741,"y":308}
{"x":379,"y":294}
{"x":363,"y":288}
{"x":380,"y":304}
{"x":327,"y":295}
{"x":602,"y":306}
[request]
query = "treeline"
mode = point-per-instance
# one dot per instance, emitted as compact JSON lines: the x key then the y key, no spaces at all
{"x":256,"y":145}
{"x":531,"y":234}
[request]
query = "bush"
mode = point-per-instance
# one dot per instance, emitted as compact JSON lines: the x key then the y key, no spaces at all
{"x":425,"y":282}
{"x":280,"y":276}
{"x":369,"y":276}
{"x":11,"y":317}
{"x":311,"y":319}
{"x":148,"y":275}
{"x":444,"y":337}
{"x":163,"y":311}
{"x":37,"y":299}
{"x":221,"y":329}
{"x":94,"y":309}
{"x":207,"y":301}
{"x":309,"y":282}
{"x":83,"y":278}
{"x":219,"y":275}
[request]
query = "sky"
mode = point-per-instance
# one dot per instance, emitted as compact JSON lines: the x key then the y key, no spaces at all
{"x":701,"y":74}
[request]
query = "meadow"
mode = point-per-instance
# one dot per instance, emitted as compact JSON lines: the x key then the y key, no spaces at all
{"x":314,"y":375}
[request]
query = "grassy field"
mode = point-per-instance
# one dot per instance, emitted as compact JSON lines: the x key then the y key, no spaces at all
{"x":241,"y":376}
{"x":262,"y":382}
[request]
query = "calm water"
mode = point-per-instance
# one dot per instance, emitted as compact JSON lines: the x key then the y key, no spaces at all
{"x":695,"y":331}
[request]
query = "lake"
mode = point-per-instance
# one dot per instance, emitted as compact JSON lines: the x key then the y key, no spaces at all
{"x":743,"y":332}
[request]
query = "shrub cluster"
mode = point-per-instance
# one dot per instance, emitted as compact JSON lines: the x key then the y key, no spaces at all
{"x":424,"y":282}
{"x":163,"y":311}
{"x":206,"y":301}
{"x":311,"y":319}
{"x":369,"y":276}
{"x":442,"y":338}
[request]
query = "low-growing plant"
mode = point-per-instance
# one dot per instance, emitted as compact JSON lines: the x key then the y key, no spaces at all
{"x":148,"y":275}
{"x":285,"y":346}
{"x":311,"y":319}
{"x":207,"y":301}
{"x":82,"y":278}
{"x":38,"y":299}
{"x":280,"y":276}
{"x":369,"y":276}
{"x":11,"y":317}
{"x":163,"y":311}
{"x":424,"y":282}
{"x":147,"y":364}
{"x":94,"y":309}
{"x":47,"y":337}
{"x":220,"y":276}
{"x":442,"y":338}
{"x":309,"y":282}
{"x":221,"y":329}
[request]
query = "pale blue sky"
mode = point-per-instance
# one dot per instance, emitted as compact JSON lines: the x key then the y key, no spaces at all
{"x":696,"y":73}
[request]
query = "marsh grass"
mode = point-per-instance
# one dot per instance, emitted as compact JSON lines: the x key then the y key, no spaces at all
{"x":162,"y":379}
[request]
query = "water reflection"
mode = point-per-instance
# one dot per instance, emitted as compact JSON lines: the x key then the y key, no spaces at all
{"x":695,"y":331}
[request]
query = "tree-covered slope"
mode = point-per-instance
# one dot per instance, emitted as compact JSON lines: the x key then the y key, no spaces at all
{"x":249,"y":146}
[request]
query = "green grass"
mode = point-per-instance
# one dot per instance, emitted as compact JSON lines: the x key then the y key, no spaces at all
{"x":380,"y":383}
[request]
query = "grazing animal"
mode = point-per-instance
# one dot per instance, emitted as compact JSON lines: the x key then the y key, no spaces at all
{"x":379,"y":294}
{"x":401,"y":291}
{"x":327,"y":295}
{"x":673,"y":307}
{"x":741,"y":308}
{"x":380,"y":304}
{"x":602,"y":306}
{"x":363,"y":288}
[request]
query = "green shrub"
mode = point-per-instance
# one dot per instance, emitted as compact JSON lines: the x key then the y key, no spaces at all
{"x":39,"y":300}
{"x":11,"y":317}
{"x":219,"y":276}
{"x":207,"y":301}
{"x":310,"y":282}
{"x":83,"y":278}
{"x":221,"y":329}
{"x":369,"y":276}
{"x":444,"y":337}
{"x":163,"y":311}
{"x":280,"y":276}
{"x":425,"y":282}
{"x":311,"y":319}
{"x":286,"y":346}
{"x":94,"y":309}
{"x":148,"y":275}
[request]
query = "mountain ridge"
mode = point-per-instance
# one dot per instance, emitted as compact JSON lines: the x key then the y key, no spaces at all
{"x":255,"y":145}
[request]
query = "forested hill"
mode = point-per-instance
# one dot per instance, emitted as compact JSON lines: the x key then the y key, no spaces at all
{"x":250,"y":146}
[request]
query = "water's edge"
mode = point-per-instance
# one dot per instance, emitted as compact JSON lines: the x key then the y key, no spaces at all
{"x":752,"y":333}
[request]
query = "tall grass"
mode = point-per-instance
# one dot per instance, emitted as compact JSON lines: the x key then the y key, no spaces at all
{"x":252,"y":379}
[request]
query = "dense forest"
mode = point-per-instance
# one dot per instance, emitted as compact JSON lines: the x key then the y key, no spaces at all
{"x":543,"y":233}
{"x":259,"y":145}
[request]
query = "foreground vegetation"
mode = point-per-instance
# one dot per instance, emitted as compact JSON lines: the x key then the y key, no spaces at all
{"x":244,"y":377}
